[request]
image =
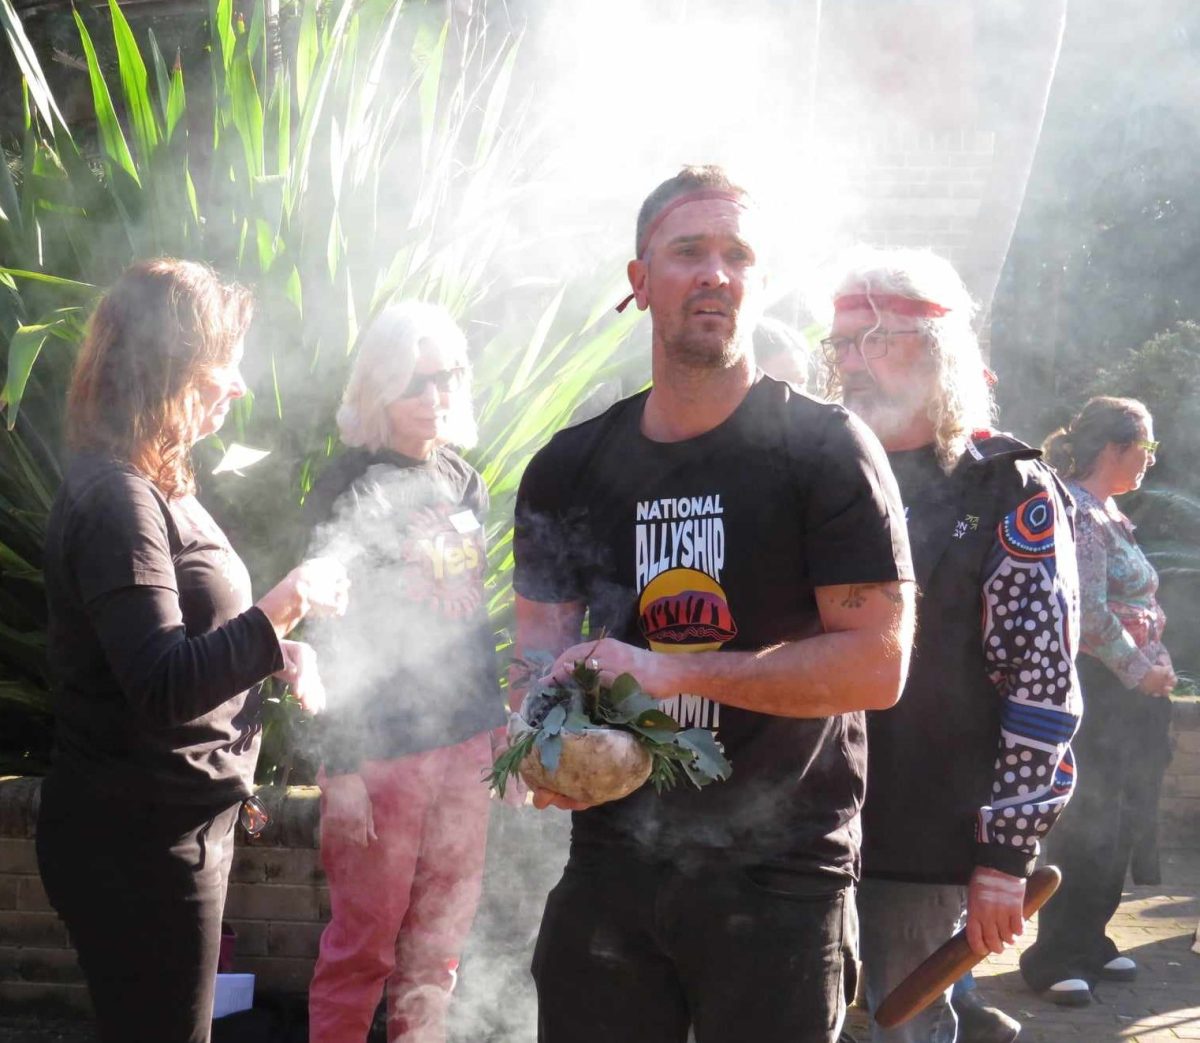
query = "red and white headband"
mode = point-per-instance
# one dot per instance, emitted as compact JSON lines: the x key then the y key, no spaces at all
{"x":913,"y":307}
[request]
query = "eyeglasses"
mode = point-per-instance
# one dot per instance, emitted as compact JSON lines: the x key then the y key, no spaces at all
{"x":871,"y":344}
{"x":1150,"y":447}
{"x":445,"y":380}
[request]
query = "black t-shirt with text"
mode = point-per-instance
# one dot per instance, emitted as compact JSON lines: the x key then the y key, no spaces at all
{"x":412,"y":665}
{"x":718,"y":542}
{"x":153,"y":644}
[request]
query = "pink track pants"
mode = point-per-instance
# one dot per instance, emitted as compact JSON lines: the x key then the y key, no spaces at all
{"x":402,"y":906}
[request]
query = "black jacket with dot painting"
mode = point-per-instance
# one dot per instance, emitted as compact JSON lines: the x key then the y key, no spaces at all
{"x":973,"y":765}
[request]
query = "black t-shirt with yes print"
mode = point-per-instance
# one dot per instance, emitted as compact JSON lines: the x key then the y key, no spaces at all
{"x":719,"y":542}
{"x":412,"y":666}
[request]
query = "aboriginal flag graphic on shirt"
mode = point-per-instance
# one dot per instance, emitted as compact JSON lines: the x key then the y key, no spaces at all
{"x":682,"y":607}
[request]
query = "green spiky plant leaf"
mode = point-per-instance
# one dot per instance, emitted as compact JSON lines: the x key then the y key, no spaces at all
{"x":380,"y":160}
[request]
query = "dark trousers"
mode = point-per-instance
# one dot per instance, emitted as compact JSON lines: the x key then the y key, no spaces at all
{"x":635,"y":951}
{"x":140,"y":887}
{"x":1121,"y":752}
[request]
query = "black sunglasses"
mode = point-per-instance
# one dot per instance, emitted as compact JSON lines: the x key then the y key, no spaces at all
{"x":444,"y":380}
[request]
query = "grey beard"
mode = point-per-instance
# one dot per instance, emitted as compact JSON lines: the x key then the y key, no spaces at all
{"x":886,"y":417}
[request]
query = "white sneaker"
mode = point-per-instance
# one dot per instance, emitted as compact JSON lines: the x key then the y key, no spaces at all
{"x":1119,"y":968}
{"x":1071,"y":992}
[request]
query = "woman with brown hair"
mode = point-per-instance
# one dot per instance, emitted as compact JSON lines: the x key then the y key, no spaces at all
{"x":1126,"y":676}
{"x":157,"y":654}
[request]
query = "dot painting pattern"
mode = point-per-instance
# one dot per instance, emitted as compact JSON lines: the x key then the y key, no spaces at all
{"x":1030,"y":619}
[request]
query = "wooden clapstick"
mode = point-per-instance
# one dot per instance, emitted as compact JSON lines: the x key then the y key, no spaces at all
{"x":953,"y":959}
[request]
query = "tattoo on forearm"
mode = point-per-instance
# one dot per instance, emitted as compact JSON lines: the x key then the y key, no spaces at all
{"x":856,"y":594}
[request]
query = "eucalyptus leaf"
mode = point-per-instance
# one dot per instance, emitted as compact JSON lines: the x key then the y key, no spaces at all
{"x":655,"y":725}
{"x":709,"y":758}
{"x":577,"y":721}
{"x":561,"y":709}
{"x":622,"y":688}
{"x":631,"y":707}
{"x":555,"y":719}
{"x":549,"y":749}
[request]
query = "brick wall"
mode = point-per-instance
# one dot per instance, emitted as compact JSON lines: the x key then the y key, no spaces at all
{"x":1179,"y":806}
{"x":278,"y":904}
{"x":921,"y":190}
{"x":278,"y":901}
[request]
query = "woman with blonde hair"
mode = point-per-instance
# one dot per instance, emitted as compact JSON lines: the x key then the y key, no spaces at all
{"x":1127,"y":678}
{"x":414,"y":691}
{"x":157,"y":653}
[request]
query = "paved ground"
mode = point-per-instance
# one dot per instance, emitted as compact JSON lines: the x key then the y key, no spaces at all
{"x":1155,"y":926}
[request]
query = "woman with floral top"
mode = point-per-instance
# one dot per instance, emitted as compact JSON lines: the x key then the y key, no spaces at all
{"x":1126,"y":674}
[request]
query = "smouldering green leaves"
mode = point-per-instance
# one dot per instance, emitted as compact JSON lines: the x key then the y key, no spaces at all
{"x":581,"y":703}
{"x":508,"y":763}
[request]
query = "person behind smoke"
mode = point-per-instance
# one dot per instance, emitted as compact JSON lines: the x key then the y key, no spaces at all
{"x":972,"y":767}
{"x":413,"y":686}
{"x":743,"y":547}
{"x":781,"y":351}
{"x":1123,"y":747}
{"x":156,"y":654}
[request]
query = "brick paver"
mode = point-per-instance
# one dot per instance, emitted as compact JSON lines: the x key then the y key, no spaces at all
{"x":1155,"y":927}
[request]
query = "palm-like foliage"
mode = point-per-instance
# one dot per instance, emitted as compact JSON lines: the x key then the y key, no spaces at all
{"x":381,"y":158}
{"x":1170,"y":534}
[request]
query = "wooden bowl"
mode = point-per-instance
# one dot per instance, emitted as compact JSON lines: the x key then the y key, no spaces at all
{"x":596,"y":766}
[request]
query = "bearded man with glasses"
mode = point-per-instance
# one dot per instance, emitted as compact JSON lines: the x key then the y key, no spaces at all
{"x":971,"y":768}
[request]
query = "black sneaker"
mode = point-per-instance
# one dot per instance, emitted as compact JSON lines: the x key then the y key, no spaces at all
{"x":979,"y":1023}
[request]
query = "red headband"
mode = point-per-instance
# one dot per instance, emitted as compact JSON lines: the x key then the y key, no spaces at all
{"x":897,"y":305}
{"x":688,"y":197}
{"x":697,"y":196}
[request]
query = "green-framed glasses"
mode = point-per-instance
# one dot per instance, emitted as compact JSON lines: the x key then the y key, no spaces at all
{"x":1145,"y":443}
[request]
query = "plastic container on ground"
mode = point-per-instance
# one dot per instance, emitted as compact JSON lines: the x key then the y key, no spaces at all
{"x":234,"y":992}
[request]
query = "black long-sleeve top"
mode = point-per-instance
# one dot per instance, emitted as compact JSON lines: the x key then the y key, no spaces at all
{"x":154,"y":647}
